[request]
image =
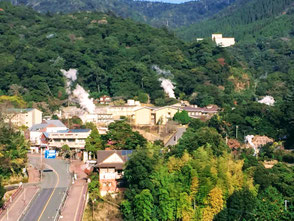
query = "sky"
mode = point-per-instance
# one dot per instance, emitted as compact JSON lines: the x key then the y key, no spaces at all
{"x":169,"y":1}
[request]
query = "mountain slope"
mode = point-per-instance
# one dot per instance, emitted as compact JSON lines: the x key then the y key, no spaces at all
{"x":154,"y":13}
{"x":247,"y":19}
{"x":113,"y":56}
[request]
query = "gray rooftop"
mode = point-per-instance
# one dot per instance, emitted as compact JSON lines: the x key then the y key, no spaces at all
{"x":57,"y":123}
{"x":46,"y":123}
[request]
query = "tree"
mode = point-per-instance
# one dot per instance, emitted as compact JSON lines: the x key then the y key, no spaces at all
{"x":13,"y":151}
{"x":196,"y":124}
{"x":139,"y":170}
{"x":191,"y":140}
{"x":143,"y":97}
{"x":215,"y":204}
{"x":123,"y":137}
{"x":2,"y":192}
{"x":66,"y":151}
{"x":240,"y":206}
{"x":93,"y":142}
{"x":182,"y":117}
{"x":270,"y":205}
{"x":143,"y":206}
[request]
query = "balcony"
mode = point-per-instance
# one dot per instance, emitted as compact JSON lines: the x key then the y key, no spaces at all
{"x":79,"y":145}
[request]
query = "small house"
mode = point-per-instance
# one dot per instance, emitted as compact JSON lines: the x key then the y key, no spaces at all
{"x":110,"y":164}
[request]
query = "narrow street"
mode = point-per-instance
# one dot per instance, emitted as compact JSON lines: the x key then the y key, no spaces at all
{"x":55,"y":182}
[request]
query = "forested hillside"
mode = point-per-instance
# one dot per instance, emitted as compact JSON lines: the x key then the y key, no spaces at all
{"x":247,"y":20}
{"x":154,"y":13}
{"x":113,"y":56}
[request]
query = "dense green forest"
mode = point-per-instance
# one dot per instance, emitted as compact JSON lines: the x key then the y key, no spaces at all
{"x":246,"y":20}
{"x":113,"y":56}
{"x":201,"y":179}
{"x":154,"y":13}
{"x":116,"y":56}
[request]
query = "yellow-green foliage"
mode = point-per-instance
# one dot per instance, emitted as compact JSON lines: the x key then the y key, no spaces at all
{"x":222,"y":175}
{"x":192,"y":186}
{"x":215,"y":204}
{"x":13,"y":100}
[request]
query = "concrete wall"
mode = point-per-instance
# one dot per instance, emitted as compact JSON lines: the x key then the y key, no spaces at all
{"x":225,"y":42}
{"x":35,"y":137}
{"x":164,"y":114}
{"x":36,"y":117}
{"x":142,"y":116}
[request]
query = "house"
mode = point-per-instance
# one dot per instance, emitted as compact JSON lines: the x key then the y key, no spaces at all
{"x":154,"y":115}
{"x":256,"y":142}
{"x":97,"y":118}
{"x":142,"y":116}
{"x":105,"y":99}
{"x":110,"y":164}
{"x":122,"y":111}
{"x":74,"y":138}
{"x":201,"y":112}
{"x":222,"y":42}
{"x":36,"y":131}
{"x":23,"y":117}
{"x":260,"y":141}
{"x":161,"y":115}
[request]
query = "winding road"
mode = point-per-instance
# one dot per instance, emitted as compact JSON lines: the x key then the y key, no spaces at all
{"x":177,"y":135}
{"x":56,"y":180}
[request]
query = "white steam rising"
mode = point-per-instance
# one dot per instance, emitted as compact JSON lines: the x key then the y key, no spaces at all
{"x":79,"y":92}
{"x":71,"y":76}
{"x":248,"y":139}
{"x":160,"y":71}
{"x":168,"y":87}
{"x":268,"y":100}
{"x":83,"y":99}
{"x":166,"y":84}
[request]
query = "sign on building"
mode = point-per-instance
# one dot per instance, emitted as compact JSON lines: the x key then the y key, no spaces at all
{"x":50,"y":154}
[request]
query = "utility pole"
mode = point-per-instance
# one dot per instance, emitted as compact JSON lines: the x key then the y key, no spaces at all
{"x":237,"y":127}
{"x":41,"y":167}
{"x":226,"y":139}
{"x":286,"y":204}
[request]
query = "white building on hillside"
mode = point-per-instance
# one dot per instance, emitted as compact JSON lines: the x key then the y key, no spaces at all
{"x":23,"y":117}
{"x":222,"y":42}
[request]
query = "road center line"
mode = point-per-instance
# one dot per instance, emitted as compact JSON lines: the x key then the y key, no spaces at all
{"x":51,"y":193}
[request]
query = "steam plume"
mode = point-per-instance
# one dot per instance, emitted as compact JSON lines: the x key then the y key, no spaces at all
{"x":268,"y":100}
{"x":83,"y":99}
{"x":166,"y":84}
{"x":249,"y":138}
{"x":79,"y":92}
{"x":71,"y":76}
{"x":168,"y":87}
{"x":165,"y":73}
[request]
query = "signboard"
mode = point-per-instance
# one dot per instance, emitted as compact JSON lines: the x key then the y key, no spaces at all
{"x":50,"y":154}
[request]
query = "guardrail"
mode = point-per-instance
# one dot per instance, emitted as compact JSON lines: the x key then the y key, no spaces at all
{"x":11,"y":199}
{"x":58,"y":214}
{"x":61,"y":205}
{"x":81,"y":215}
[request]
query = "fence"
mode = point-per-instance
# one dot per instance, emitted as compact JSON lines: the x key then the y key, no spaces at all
{"x":11,"y":199}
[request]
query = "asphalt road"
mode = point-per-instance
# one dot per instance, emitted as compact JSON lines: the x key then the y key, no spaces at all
{"x":174,"y":139}
{"x":54,"y":185}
